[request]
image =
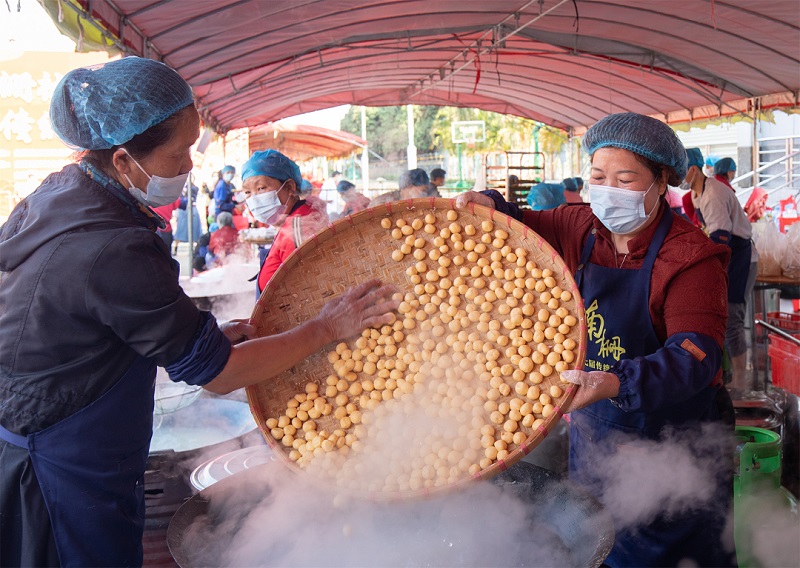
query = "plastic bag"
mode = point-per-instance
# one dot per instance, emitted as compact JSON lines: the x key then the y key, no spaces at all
{"x":756,"y":205}
{"x":770,"y":245}
{"x":790,"y":263}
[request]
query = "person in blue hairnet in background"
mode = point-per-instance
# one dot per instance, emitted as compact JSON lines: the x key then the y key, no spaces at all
{"x":272,"y":183}
{"x":90,"y":305}
{"x":544,"y":196}
{"x":710,"y":162}
{"x":654,"y":291}
{"x":725,"y":171}
{"x":224,"y":190}
{"x":723,"y":219}
{"x":572,"y":189}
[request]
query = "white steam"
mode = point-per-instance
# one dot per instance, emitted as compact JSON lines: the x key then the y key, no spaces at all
{"x":644,"y":479}
{"x":300,"y":524}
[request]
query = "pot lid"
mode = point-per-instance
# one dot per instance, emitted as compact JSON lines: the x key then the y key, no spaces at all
{"x":228,"y":464}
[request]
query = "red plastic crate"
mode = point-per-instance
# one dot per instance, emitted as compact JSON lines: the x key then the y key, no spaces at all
{"x":785,"y":360}
{"x":790,"y":323}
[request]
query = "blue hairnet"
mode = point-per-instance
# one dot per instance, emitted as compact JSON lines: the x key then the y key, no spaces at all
{"x":711,"y":160}
{"x":641,"y":135}
{"x":305,"y":186}
{"x":230,"y":169}
{"x":694,"y":157}
{"x":102,"y":106}
{"x":543,"y":196}
{"x":344,"y":185}
{"x":272,"y":163}
{"x":570,"y":184}
{"x":724,"y":166}
{"x":579,"y":181}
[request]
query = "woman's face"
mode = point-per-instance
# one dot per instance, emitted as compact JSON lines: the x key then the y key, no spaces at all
{"x":167,"y":160}
{"x":263,"y":184}
{"x":620,"y":168}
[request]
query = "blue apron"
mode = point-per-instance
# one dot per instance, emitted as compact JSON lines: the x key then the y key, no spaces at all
{"x":619,"y":327}
{"x":90,"y":468}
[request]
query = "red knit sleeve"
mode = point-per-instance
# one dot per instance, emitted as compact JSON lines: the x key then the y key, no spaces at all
{"x":696,"y":297}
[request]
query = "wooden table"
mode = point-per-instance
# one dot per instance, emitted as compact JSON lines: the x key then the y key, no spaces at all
{"x":762,"y":284}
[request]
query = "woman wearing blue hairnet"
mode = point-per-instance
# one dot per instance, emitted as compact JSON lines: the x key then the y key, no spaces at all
{"x":654,"y":291}
{"x":272,"y":183}
{"x":725,"y":171}
{"x":223,"y":191}
{"x":723,"y":219}
{"x":90,"y":305}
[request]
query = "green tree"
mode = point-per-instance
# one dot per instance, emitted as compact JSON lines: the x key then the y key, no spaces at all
{"x":388,"y":134}
{"x":387,"y":128}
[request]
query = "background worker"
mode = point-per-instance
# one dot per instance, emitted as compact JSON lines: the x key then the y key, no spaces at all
{"x":412,"y":184}
{"x":437,"y":177}
{"x":437,"y":182}
{"x":354,"y":200}
{"x":725,"y":171}
{"x":725,"y":222}
{"x":331,"y":197}
{"x":572,"y":189}
{"x":271,"y":182}
{"x":224,"y":190}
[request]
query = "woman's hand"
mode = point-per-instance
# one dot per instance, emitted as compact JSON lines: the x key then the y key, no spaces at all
{"x":468,"y":197}
{"x":366,"y":305}
{"x":595,"y":386}
{"x":238,"y":330}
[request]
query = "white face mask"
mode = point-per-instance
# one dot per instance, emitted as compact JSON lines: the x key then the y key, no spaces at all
{"x":266,"y":207}
{"x":227,"y":177}
{"x":160,"y":191}
{"x":620,"y":210}
{"x":686,"y":184}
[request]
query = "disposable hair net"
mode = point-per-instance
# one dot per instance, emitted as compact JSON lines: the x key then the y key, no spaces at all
{"x":272,"y":163}
{"x":694,"y":157}
{"x":642,"y":135}
{"x":344,"y":185}
{"x":102,"y":106}
{"x":413,"y":177}
{"x":579,"y":182}
{"x":306,"y":186}
{"x":724,"y":166}
{"x":228,"y":169}
{"x":544,"y":196}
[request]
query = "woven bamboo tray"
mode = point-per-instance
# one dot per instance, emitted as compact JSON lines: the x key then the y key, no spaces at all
{"x":358,"y":248}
